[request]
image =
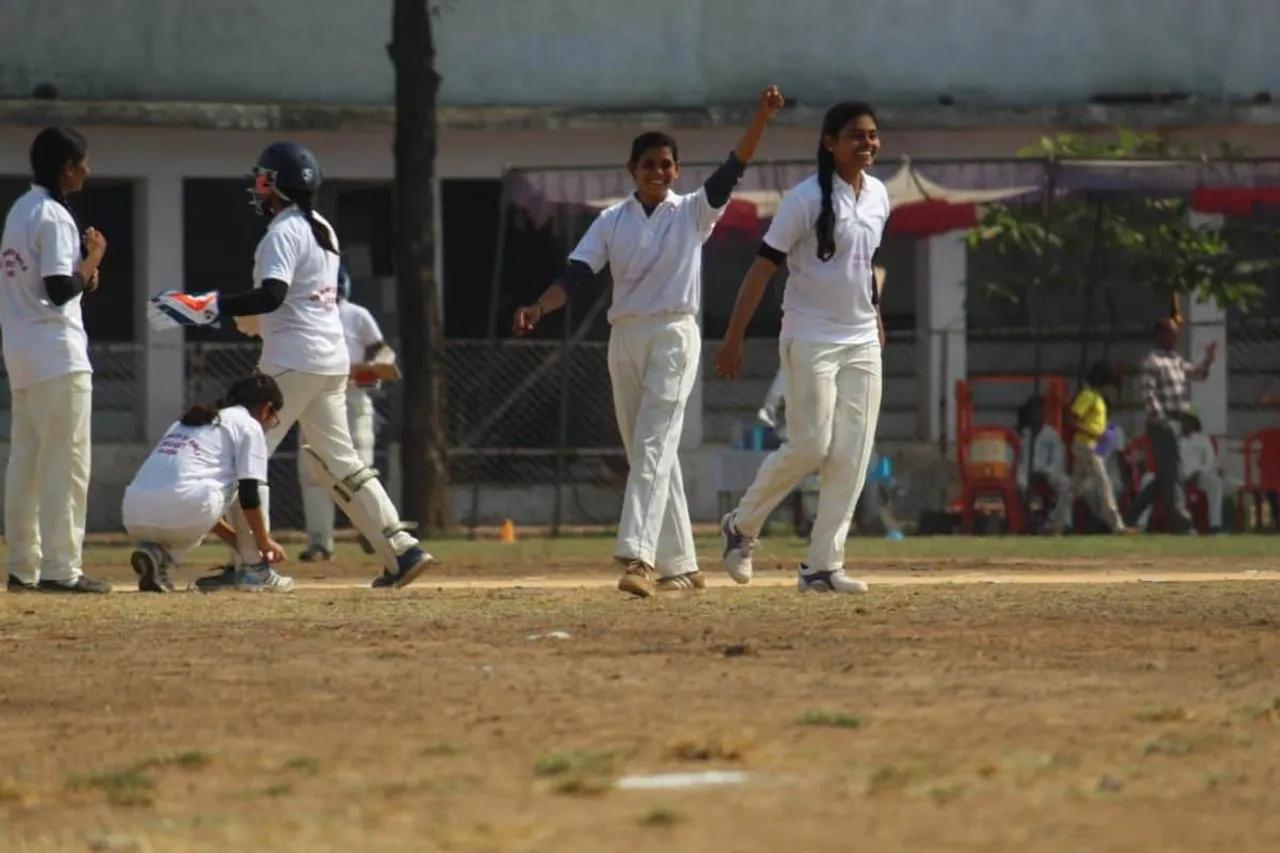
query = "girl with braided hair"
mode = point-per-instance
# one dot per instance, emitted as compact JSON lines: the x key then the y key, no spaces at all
{"x":827,"y":230}
{"x":214,"y":456}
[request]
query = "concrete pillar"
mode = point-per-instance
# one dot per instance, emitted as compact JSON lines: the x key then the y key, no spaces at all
{"x":159,"y":229}
{"x":1206,"y":322}
{"x":941,"y":330}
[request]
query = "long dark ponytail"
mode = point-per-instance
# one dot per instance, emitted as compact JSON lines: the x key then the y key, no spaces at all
{"x":306,"y":204}
{"x":250,"y":392}
{"x":832,"y":123}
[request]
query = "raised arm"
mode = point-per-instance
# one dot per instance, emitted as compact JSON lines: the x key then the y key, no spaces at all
{"x":719,"y":186}
{"x":1200,"y":372}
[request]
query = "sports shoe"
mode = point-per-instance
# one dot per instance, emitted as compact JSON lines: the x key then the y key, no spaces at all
{"x":223,"y":577}
{"x":636,"y":579}
{"x":687,"y":582}
{"x":409,"y":565}
{"x":316,"y":554}
{"x":737,"y":550}
{"x":262,"y":578}
{"x":827,"y":581}
{"x":151,"y":564}
{"x":82,"y":584}
{"x":17,"y":585}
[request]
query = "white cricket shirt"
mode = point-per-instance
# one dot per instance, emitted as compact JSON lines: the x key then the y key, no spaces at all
{"x":42,"y":341}
{"x":830,"y":302}
{"x":655,"y":260}
{"x":305,"y":332}
{"x":191,"y":464}
{"x":359,"y":328}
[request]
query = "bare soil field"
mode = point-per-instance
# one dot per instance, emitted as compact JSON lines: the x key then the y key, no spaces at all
{"x":982,"y":697}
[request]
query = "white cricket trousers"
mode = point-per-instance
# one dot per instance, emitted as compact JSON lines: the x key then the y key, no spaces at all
{"x":653,"y":363}
{"x":46,"y":486}
{"x":833,"y":406}
{"x":318,"y":404}
{"x":317,"y":501}
{"x":176,"y":521}
{"x":1088,"y":472}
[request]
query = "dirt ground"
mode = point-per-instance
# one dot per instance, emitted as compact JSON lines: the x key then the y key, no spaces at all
{"x":955,"y":707}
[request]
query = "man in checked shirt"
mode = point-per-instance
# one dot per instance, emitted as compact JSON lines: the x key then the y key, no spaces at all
{"x":1164,"y":391}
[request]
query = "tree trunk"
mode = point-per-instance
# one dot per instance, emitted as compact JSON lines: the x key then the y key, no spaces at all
{"x":423,"y":464}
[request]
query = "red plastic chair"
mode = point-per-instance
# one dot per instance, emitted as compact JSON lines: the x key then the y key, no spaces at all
{"x":990,"y":478}
{"x":1261,"y":469}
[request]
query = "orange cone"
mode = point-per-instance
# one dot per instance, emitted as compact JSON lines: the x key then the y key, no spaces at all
{"x":508,"y":532}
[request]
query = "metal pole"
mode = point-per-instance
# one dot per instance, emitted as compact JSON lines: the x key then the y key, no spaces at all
{"x":1039,"y":294}
{"x":566,"y":375}
{"x":944,"y":427}
{"x":486,"y":387}
{"x":562,"y":430}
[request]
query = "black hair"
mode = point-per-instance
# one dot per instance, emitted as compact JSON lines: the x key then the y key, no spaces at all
{"x":1029,"y":406}
{"x":250,"y":392}
{"x":1102,"y":375}
{"x":51,"y":151}
{"x":303,"y":199}
{"x":832,"y":123}
{"x":651,"y":139}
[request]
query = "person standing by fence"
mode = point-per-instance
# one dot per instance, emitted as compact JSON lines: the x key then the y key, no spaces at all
{"x":46,"y":351}
{"x":1165,"y":392}
{"x":652,"y":243}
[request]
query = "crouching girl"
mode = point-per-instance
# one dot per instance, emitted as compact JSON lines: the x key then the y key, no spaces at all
{"x":215,"y":452}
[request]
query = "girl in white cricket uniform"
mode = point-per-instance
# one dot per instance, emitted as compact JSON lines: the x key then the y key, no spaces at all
{"x":214,"y":455}
{"x":294,"y":301}
{"x":827,"y":229}
{"x":364,"y":343}
{"x":46,"y":353}
{"x":653,"y":244}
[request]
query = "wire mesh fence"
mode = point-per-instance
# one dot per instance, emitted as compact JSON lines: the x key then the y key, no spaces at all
{"x":525,"y":415}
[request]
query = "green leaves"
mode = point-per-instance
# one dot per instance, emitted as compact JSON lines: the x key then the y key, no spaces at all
{"x":1117,"y":239}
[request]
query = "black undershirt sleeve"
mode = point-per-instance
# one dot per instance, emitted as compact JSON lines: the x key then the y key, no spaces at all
{"x":249,"y":497}
{"x":722,"y":181}
{"x":771,"y":254}
{"x":576,"y":276}
{"x":260,"y":300}
{"x":63,"y":288}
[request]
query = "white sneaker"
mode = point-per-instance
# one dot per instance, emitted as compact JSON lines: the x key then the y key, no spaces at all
{"x":737,"y":551}
{"x":262,"y":578}
{"x":827,"y":581}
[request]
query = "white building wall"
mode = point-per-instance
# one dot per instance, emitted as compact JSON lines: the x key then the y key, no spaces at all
{"x":667,"y":53}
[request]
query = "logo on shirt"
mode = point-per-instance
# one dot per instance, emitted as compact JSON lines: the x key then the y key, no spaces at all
{"x":326,"y":296}
{"x":173,"y":443}
{"x":12,"y":263}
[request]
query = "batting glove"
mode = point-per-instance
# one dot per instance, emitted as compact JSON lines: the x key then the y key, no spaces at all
{"x":174,"y":309}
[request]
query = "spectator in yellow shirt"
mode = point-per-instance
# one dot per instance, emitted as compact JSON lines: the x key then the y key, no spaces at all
{"x":1090,"y":436}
